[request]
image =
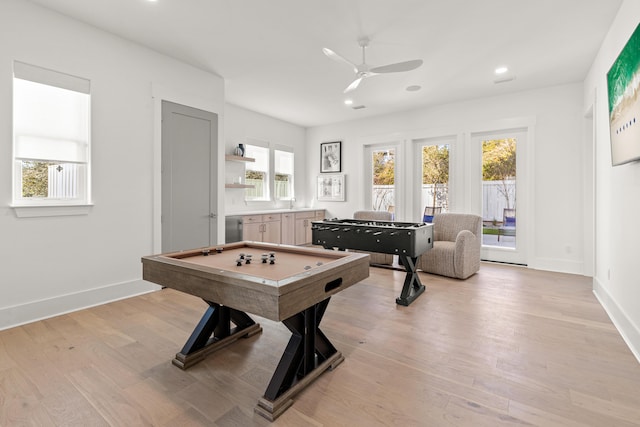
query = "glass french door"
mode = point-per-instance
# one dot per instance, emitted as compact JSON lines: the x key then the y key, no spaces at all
{"x":432,"y":157}
{"x":380,"y":163}
{"x":498,"y":174}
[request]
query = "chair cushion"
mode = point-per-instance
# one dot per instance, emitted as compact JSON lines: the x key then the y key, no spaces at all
{"x":373,"y":215}
{"x":447,"y":226}
{"x":440,"y":259}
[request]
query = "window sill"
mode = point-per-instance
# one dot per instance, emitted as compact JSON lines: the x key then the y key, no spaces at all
{"x":33,"y":211}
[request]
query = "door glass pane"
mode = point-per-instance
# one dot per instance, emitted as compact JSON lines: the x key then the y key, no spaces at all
{"x":435,"y":181}
{"x":383,"y":185}
{"x":499,"y":192}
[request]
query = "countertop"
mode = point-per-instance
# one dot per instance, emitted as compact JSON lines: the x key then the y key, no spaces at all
{"x":273,"y":211}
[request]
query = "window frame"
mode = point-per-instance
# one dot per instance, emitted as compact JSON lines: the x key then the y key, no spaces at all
{"x":291,"y":181}
{"x":21,"y":140}
{"x":266,"y":181}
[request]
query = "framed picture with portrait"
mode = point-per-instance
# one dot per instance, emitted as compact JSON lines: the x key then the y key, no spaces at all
{"x":331,"y":188}
{"x":331,"y":157}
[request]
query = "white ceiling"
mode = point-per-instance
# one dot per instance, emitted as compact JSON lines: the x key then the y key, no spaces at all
{"x":270,"y":51}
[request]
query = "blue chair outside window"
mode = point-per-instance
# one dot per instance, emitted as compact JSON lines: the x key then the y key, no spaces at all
{"x":429,"y":213}
{"x":508,"y":223}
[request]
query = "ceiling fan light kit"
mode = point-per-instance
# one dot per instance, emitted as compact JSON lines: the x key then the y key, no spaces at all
{"x":364,"y":71}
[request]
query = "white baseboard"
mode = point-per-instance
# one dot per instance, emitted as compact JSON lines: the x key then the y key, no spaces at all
{"x":629,"y":331}
{"x":43,"y":309}
{"x":557,"y":265}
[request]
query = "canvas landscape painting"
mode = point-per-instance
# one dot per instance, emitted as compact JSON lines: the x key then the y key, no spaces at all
{"x":623,"y":84}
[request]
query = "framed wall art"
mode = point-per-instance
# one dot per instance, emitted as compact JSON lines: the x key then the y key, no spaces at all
{"x":331,"y":188}
{"x":623,"y":85}
{"x":331,"y":157}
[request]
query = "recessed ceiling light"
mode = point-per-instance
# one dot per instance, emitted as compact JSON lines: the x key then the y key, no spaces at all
{"x":348,"y":101}
{"x":413,"y":88}
{"x":501,"y":70}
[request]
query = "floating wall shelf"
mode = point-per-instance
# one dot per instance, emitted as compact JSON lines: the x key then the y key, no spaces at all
{"x":239,"y":186}
{"x":233,"y":158}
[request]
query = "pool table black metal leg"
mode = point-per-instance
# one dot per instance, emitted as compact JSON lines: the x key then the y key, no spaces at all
{"x":213,"y":332}
{"x":308,"y":354}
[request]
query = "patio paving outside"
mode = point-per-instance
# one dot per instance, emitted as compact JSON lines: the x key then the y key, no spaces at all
{"x":505,"y":241}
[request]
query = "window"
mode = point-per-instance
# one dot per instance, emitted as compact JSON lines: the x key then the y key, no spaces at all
{"x":51,"y":128}
{"x":257,"y":173}
{"x":283,"y":175}
{"x":435,"y":178}
{"x":383,"y":164}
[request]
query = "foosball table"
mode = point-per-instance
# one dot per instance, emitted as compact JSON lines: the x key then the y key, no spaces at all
{"x":407,"y":240}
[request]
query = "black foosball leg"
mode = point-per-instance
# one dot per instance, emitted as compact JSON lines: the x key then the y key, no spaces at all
{"x":412,"y":288}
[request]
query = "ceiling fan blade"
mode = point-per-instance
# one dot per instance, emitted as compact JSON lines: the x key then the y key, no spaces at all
{"x":354,"y":84}
{"x":331,"y":54}
{"x":398,"y":67}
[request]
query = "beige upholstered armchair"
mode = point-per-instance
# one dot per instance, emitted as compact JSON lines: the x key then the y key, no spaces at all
{"x":457,"y":239}
{"x":376,"y":258}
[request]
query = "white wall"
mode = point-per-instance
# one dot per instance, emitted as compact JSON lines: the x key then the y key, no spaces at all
{"x":242,"y":126}
{"x":616,"y":282}
{"x":556,"y":220}
{"x":55,"y":264}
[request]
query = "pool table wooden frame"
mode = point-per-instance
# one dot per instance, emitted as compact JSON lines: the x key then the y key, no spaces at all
{"x":298,"y":298}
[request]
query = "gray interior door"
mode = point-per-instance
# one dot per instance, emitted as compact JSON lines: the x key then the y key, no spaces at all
{"x":189,"y":141}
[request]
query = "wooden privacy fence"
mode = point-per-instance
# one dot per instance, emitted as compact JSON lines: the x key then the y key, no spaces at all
{"x":281,"y":189}
{"x":63,"y":181}
{"x":496,"y":196}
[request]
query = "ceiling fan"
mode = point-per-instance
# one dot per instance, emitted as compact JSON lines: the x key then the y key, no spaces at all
{"x":363,"y":70}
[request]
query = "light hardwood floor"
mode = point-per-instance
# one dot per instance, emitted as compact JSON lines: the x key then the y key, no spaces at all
{"x":509,"y":346}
